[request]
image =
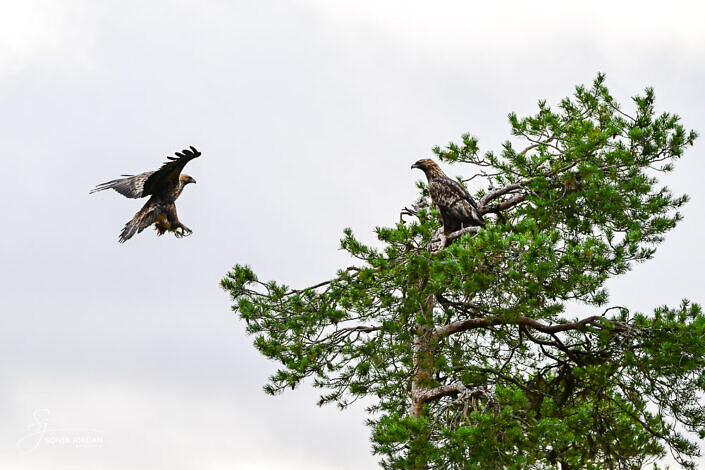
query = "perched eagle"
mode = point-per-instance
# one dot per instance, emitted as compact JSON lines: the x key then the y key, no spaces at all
{"x":164,"y":186}
{"x":458,"y":209}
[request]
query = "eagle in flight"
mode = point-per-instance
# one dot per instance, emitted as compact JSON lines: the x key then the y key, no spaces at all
{"x":458,"y":208}
{"x":164,"y":186}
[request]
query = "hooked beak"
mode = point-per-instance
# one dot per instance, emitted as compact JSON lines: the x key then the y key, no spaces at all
{"x":415,"y":165}
{"x":193,"y":181}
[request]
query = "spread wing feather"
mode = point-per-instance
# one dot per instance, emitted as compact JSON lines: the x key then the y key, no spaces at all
{"x":454,"y":200}
{"x":168,"y":175}
{"x":131,"y":186}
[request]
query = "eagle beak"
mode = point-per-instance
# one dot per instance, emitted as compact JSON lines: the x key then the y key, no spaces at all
{"x":193,"y":181}
{"x":415,"y":165}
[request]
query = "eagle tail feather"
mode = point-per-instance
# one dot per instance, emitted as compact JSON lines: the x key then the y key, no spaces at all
{"x":479,"y":220}
{"x":142,"y":219}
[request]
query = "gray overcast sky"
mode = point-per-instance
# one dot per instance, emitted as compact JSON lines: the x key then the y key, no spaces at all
{"x":309,"y":114}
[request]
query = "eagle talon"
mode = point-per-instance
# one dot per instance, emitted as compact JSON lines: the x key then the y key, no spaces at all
{"x":182,"y":232}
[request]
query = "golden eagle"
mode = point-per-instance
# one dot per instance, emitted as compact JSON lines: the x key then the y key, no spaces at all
{"x":458,"y":209}
{"x":164,"y":186}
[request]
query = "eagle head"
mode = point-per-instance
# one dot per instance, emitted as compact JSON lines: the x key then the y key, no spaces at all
{"x":186,"y":179}
{"x":429,"y":167}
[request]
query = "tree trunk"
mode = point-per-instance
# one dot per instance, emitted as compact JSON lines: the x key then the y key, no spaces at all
{"x":421,"y":382}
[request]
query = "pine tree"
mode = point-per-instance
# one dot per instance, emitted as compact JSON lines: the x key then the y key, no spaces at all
{"x":477,"y":355}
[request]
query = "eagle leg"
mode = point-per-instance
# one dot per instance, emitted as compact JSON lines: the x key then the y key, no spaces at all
{"x":179,"y":229}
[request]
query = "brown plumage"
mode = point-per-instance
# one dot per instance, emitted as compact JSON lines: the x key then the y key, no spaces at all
{"x":164,"y":186}
{"x":457,"y":207}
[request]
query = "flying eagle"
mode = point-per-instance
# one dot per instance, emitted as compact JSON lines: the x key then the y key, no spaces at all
{"x":458,"y":209}
{"x":164,"y":186}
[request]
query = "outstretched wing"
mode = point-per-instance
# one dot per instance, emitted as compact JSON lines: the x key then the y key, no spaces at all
{"x":168,"y":175}
{"x":454,"y":200}
{"x":131,"y":186}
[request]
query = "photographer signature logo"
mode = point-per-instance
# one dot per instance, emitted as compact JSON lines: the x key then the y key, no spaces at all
{"x":40,"y":433}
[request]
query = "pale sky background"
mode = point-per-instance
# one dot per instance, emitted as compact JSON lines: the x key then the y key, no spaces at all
{"x":309,"y":114}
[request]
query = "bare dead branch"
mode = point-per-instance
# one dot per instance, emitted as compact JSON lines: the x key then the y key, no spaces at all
{"x":504,"y":205}
{"x":324,"y":283}
{"x":499,"y":192}
{"x":472,"y":323}
{"x":432,"y":394}
{"x":462,"y":232}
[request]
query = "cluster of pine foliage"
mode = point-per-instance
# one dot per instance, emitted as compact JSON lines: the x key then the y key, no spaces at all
{"x":478,"y":355}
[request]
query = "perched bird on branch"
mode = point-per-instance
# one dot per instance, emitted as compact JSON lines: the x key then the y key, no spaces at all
{"x":458,"y":209}
{"x":164,"y":186}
